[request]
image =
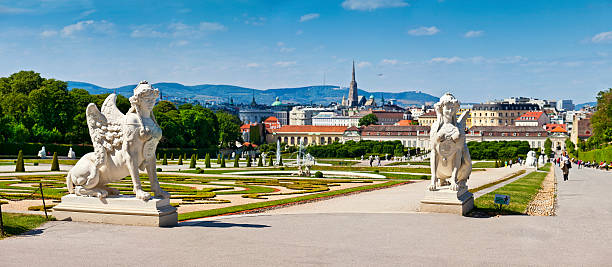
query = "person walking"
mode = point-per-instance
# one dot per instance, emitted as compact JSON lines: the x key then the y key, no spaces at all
{"x":565,"y":166}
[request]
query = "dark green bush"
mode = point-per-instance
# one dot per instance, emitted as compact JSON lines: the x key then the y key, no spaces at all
{"x":55,"y":163}
{"x":318,"y":174}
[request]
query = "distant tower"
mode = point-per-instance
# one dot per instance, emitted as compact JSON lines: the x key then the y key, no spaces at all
{"x":352,"y":97}
{"x":382,"y":99}
{"x":253,"y":103}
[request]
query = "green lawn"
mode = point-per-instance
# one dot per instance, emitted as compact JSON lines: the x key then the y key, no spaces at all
{"x":484,"y":164}
{"x":250,"y":206}
{"x":521,"y":192}
{"x":399,"y":163}
{"x":15,"y":223}
{"x":545,"y":168}
{"x":473,"y":190}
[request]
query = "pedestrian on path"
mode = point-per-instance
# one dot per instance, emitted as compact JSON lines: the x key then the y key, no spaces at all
{"x":565,"y":165}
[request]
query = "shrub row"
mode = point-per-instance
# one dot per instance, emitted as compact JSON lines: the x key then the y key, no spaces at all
{"x":603,"y":154}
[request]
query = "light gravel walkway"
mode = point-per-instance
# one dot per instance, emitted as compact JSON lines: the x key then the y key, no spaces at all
{"x":580,"y":235}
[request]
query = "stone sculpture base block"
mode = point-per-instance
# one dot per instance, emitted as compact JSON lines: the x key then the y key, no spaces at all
{"x":125,"y":210}
{"x":445,"y":200}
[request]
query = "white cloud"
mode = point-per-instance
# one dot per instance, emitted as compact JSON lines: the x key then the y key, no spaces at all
{"x":424,"y":31}
{"x":310,"y":16}
{"x":212,"y":26}
{"x":283,"y":48}
{"x":100,"y":27}
{"x":363,"y":64}
{"x":389,"y":61}
{"x":299,"y":32}
{"x":147,"y":31}
{"x":285,"y":63}
{"x":369,"y":5}
{"x":255,"y":21}
{"x":86,"y":13}
{"x":602,"y":37}
{"x":14,"y":10}
{"x":446,"y":60}
{"x":511,"y":60}
{"x":471,"y":34}
{"x":252,"y":65}
{"x":287,"y":49}
{"x":48,"y":33}
{"x":177,"y":30}
{"x":77,"y":27}
{"x":179,"y":43}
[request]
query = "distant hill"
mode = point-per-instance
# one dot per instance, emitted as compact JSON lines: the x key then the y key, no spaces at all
{"x":579,"y":106}
{"x":221,"y":93}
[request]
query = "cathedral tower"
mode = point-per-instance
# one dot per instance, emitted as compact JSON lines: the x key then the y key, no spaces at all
{"x":353,"y":97}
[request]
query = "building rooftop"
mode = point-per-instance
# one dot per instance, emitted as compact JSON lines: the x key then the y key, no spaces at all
{"x":310,"y":129}
{"x":531,"y":116}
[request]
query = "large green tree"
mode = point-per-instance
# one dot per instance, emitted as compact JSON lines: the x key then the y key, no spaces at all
{"x":229,"y":129}
{"x":368,"y":120}
{"x":602,"y":119}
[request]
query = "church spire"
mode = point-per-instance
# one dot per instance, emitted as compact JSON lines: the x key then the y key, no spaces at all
{"x":353,"y":70}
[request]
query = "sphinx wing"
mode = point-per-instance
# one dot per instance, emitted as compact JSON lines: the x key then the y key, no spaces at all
{"x":462,"y":120}
{"x":97,"y":123}
{"x":110,"y":110}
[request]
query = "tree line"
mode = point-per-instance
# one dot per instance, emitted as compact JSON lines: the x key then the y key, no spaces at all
{"x":41,"y":110}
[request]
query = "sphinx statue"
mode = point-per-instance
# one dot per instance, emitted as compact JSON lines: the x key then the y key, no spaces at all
{"x":450,"y":158}
{"x":123,"y":145}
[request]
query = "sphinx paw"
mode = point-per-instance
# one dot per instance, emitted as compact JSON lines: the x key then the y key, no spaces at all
{"x":162,"y":194}
{"x":142,"y":195}
{"x":454,"y":187}
{"x":432,"y":187}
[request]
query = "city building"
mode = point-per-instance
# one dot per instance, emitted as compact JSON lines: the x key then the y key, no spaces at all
{"x":498,"y":114}
{"x":330,"y":118}
{"x":532,"y":118}
{"x":533,"y":134}
{"x":565,"y":105}
{"x":410,"y":136}
{"x":303,"y":115}
{"x":353,"y":95}
{"x":293,"y":134}
{"x":582,"y":128}
{"x":427,"y":119}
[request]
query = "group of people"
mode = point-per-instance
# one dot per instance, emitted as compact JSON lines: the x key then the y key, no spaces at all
{"x":372,"y":159}
{"x":602,"y":165}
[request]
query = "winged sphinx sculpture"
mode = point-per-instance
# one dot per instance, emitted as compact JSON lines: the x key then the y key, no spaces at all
{"x":450,"y":158}
{"x":123,"y":145}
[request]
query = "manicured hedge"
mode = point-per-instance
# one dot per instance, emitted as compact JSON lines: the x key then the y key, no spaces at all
{"x":31,"y":149}
{"x":598,"y":155}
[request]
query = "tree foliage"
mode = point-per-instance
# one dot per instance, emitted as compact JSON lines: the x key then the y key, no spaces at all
{"x":602,"y":120}
{"x":352,"y":149}
{"x":368,"y":120}
{"x":498,"y":149}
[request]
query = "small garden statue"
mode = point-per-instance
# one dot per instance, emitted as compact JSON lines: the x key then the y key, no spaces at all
{"x":42,"y":153}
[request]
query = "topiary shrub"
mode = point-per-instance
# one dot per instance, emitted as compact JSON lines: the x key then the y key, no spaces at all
{"x":280,"y":163}
{"x":318,"y":174}
{"x":35,"y":163}
{"x":260,"y":162}
{"x":19,"y":166}
{"x":248,"y":160}
{"x":157,"y":156}
{"x":222,"y":161}
{"x":192,"y":163}
{"x":207,"y":160}
{"x":159,"y":169}
{"x":219,"y":158}
{"x":236,"y":161}
{"x":55,"y":163}
{"x":180,"y":161}
{"x":270,"y":163}
{"x":165,"y":161}
{"x":171,"y":156}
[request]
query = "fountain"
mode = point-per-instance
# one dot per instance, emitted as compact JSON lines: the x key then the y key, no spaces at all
{"x":304,"y":161}
{"x":278,"y":153}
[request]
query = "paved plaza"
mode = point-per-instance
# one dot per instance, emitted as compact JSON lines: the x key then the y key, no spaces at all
{"x":579,"y":235}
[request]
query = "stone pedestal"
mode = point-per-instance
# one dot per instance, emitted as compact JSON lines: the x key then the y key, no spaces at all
{"x":126,"y":210}
{"x":445,"y":200}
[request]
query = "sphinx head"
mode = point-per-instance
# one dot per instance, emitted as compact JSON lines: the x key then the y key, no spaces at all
{"x":144,"y":96}
{"x":447,"y":108}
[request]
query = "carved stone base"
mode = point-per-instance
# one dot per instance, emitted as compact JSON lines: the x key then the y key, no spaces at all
{"x":125,"y":210}
{"x":445,"y":200}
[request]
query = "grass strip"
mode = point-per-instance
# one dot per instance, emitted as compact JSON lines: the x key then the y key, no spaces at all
{"x":483,"y":164}
{"x":474,"y":190}
{"x":521,"y":192}
{"x":267,"y":204}
{"x":17,"y":223}
{"x":545,"y":168}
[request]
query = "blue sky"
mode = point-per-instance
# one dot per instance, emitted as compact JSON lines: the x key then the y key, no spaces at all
{"x":478,"y":50}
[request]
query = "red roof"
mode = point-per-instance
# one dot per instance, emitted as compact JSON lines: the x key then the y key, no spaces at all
{"x":551,"y":126}
{"x":405,"y":122}
{"x":310,"y":128}
{"x":558,"y":129}
{"x":531,"y":116}
{"x":271,"y":119}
